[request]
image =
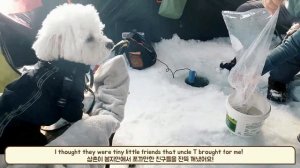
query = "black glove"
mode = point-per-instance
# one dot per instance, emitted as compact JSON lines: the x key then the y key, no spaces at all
{"x":228,"y":65}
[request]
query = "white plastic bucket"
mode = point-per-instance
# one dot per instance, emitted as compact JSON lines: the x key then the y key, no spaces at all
{"x":250,"y":123}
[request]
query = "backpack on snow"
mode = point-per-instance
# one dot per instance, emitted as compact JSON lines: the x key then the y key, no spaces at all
{"x":139,"y":53}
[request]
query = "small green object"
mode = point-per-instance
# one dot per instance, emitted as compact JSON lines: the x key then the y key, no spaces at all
{"x":231,"y":123}
{"x":294,"y":8}
{"x":172,"y":9}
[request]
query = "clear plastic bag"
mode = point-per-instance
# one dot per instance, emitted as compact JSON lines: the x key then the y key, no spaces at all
{"x":251,"y":35}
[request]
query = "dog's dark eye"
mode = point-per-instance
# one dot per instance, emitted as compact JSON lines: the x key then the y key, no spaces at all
{"x":90,"y":39}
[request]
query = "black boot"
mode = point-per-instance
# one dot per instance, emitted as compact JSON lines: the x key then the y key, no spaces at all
{"x":228,"y":65}
{"x":277,"y":91}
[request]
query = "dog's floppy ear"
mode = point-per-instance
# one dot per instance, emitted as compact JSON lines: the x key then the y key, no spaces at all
{"x":47,"y":48}
{"x":54,"y":44}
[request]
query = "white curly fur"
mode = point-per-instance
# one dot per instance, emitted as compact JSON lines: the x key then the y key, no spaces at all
{"x":65,"y":33}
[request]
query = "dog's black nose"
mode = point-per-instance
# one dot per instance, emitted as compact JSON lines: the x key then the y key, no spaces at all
{"x":109,"y":45}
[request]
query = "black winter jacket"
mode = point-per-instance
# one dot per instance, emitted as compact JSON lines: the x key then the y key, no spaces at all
{"x":34,"y":96}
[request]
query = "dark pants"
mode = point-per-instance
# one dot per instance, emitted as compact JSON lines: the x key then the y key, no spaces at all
{"x":286,"y":71}
{"x":18,"y":133}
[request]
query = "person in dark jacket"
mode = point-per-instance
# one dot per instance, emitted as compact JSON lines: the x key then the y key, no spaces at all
{"x":54,"y":88}
{"x":284,"y":61}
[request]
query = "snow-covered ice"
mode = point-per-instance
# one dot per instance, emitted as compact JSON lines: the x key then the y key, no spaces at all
{"x":164,"y":111}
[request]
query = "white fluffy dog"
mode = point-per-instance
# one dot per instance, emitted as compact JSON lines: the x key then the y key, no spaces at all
{"x":73,"y":32}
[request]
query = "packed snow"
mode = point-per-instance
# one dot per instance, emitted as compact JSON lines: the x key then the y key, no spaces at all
{"x":164,"y":111}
